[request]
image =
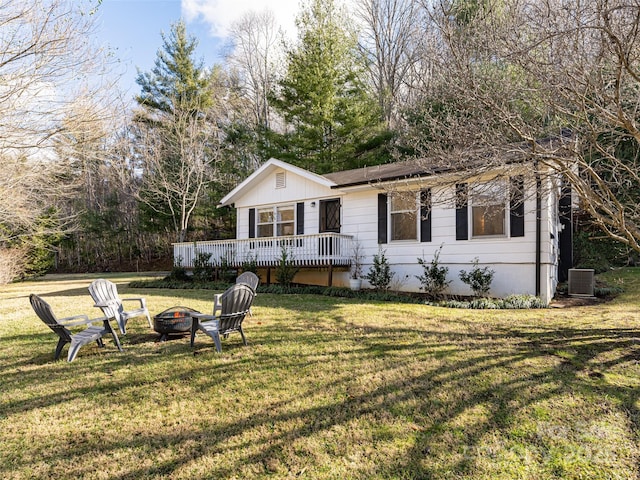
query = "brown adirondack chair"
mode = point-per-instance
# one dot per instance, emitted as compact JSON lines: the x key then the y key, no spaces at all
{"x":76,"y":340}
{"x":235,"y":303}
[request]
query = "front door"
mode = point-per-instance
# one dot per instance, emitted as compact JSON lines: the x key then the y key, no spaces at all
{"x":330,"y":215}
{"x":329,"y":222}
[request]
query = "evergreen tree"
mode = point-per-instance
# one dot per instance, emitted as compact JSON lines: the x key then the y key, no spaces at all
{"x":464,"y":11}
{"x":177,"y":81}
{"x":322,"y":97}
{"x":380,"y":274}
{"x":178,"y":140}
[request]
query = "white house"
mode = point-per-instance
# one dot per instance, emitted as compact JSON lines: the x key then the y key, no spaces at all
{"x":508,"y":218}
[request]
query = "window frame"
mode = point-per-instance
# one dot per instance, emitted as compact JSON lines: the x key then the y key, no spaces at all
{"x":415,"y":212}
{"x":278,"y":222}
{"x":501,"y":187}
{"x":322,"y":215}
{"x":275,"y":223}
{"x":260,"y":224}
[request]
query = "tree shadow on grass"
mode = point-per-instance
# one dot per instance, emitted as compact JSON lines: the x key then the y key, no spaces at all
{"x":454,"y":385}
{"x":504,"y":401}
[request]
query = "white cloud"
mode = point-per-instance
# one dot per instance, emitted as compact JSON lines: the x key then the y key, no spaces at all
{"x":220,"y":14}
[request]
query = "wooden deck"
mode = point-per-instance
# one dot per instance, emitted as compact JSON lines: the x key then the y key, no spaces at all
{"x":320,"y":250}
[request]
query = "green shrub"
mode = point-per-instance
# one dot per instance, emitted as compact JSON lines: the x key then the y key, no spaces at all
{"x":523,"y":302}
{"x":434,"y":279}
{"x":250,"y":264}
{"x":607,"y":291}
{"x":484,"y":303}
{"x":380,"y":274}
{"x":479,"y":279}
{"x":224,"y":271}
{"x":452,"y":304}
{"x":286,"y":270}
{"x":178,"y":272}
{"x":279,"y":289}
{"x":203,"y":270}
{"x":357,"y":257}
{"x":339,"y":292}
{"x":510,"y":302}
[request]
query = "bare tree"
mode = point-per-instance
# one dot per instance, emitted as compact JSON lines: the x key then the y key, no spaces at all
{"x":178,"y":130}
{"x":394,"y":38}
{"x":521,"y":70}
{"x":179,"y":185}
{"x":48,"y":67}
{"x":47,"y":61}
{"x":256,"y":54}
{"x":97,"y":195}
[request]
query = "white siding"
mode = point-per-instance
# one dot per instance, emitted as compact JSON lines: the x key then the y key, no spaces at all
{"x":297,"y":189}
{"x":513,"y":259}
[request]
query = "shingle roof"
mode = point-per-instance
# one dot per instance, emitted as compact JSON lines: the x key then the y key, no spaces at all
{"x":386,"y":172}
{"x":457,"y":161}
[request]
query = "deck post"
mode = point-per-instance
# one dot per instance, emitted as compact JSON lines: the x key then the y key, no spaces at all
{"x":330,"y":279}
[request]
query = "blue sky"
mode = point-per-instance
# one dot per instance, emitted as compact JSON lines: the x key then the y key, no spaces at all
{"x":131,"y":28}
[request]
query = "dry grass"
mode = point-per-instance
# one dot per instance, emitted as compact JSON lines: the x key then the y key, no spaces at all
{"x":327,"y":389}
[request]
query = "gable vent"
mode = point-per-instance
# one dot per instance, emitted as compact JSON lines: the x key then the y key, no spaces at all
{"x":280,"y":180}
{"x":581,"y":282}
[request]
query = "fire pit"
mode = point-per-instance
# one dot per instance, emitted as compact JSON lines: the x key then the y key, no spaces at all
{"x":175,"y":320}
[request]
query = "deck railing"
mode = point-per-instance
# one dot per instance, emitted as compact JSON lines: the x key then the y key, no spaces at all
{"x":319,"y":250}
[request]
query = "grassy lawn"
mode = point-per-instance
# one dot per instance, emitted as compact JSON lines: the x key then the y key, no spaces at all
{"x":328,"y":388}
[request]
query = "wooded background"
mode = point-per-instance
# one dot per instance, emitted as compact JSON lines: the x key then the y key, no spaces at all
{"x":92,"y":181}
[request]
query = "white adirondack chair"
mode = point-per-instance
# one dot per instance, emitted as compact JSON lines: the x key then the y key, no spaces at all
{"x":105,"y":296}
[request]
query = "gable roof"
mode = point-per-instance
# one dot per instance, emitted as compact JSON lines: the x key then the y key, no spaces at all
{"x":402,"y":170}
{"x":387,"y":172}
{"x":270,"y":166}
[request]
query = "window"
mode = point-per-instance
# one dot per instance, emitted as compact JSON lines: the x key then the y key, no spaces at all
{"x":284,"y":220}
{"x":280,"y":220}
{"x":265,"y":222}
{"x":488,"y":207}
{"x":404,"y":218}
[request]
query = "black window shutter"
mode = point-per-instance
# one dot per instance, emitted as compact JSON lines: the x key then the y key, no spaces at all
{"x":516,"y":207}
{"x":252,"y":223}
{"x":462,"y":217}
{"x":382,"y":218}
{"x":425,"y":216}
{"x":300,"y":218}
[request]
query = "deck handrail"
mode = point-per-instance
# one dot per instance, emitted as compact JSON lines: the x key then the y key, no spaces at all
{"x":321,"y":249}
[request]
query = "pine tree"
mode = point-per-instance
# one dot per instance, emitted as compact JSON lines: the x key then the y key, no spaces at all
{"x":177,"y":142}
{"x":322,"y":97}
{"x":177,"y":81}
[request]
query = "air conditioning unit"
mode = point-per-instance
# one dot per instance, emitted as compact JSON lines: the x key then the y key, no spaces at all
{"x":582,"y":282}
